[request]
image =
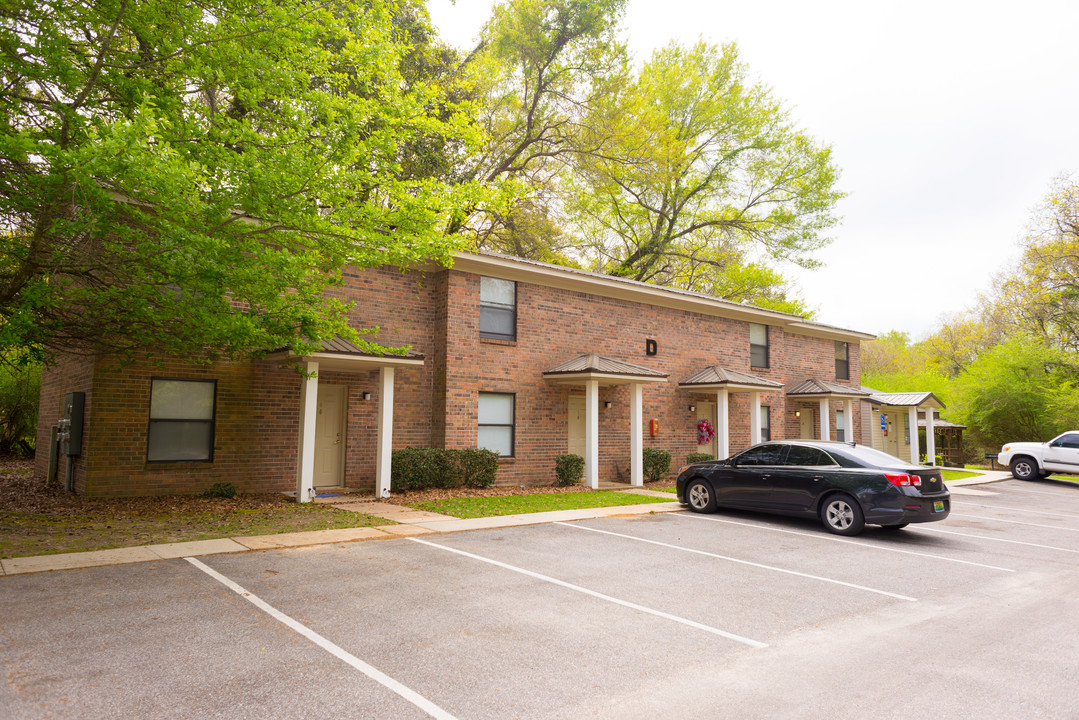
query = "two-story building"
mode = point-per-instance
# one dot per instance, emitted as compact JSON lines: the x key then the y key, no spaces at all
{"x":526,"y":358}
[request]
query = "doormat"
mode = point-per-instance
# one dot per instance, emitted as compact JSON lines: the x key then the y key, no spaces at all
{"x":330,"y":495}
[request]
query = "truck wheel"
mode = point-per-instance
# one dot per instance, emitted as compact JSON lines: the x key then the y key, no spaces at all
{"x":1023,"y":468}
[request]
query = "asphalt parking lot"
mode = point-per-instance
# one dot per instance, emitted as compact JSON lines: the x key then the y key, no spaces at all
{"x":733,"y":615}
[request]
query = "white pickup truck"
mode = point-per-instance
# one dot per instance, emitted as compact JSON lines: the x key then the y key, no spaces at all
{"x":1030,"y":461}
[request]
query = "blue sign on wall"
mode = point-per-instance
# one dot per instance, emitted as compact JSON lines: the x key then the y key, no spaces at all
{"x":883,"y":423}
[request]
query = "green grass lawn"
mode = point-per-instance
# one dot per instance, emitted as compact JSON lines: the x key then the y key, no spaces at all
{"x":957,"y":474}
{"x":474,"y":507}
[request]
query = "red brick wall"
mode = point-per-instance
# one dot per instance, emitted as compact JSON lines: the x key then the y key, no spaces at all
{"x":437,"y":314}
{"x":554,"y":325}
{"x":67,"y":374}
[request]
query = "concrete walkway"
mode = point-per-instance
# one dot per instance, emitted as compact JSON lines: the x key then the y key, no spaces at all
{"x":408,"y":522}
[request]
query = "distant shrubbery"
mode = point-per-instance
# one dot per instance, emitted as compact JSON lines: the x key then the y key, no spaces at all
{"x":20,"y":389}
{"x":699,"y":457}
{"x":426,"y":468}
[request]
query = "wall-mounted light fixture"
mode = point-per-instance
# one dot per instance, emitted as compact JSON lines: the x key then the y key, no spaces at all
{"x":693,"y":408}
{"x":607,"y":405}
{"x":797,"y":413}
{"x":367,"y":396}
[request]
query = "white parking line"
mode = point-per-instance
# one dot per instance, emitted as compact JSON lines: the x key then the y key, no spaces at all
{"x":832,"y":538}
{"x":601,"y":596}
{"x":741,"y":562}
{"x":1009,"y":508}
{"x":1025,"y":489}
{"x":982,"y":537}
{"x":1014,"y":522}
{"x":412,"y":696}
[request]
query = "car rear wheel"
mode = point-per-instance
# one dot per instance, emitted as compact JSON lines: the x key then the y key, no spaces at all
{"x":699,"y":496}
{"x":1023,"y":468}
{"x":842,"y":515}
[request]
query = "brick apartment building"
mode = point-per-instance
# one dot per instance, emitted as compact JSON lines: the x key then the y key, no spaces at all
{"x":526,"y":358}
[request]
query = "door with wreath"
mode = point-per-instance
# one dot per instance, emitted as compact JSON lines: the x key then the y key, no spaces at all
{"x":707,"y":411}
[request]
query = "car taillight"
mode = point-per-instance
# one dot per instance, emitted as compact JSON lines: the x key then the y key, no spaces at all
{"x":903,"y":480}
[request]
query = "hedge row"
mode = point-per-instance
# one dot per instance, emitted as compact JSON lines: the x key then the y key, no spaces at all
{"x":425,"y":468}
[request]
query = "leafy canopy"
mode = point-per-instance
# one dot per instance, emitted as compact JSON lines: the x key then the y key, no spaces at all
{"x":192,"y":176}
{"x":701,"y":176}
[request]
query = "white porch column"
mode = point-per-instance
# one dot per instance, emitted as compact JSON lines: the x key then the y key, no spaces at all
{"x":305,"y":468}
{"x":912,"y":413}
{"x":825,"y":420}
{"x":636,"y":434}
{"x":384,"y":438}
{"x":723,"y":439}
{"x":848,"y":418}
{"x":755,"y":418}
{"x":591,"y":434}
{"x":930,"y":438}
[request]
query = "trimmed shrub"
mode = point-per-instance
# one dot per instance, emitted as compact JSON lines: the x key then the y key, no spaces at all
{"x":569,"y":469}
{"x":220,"y":490}
{"x":699,"y":457}
{"x":426,"y":468}
{"x":657,"y":463}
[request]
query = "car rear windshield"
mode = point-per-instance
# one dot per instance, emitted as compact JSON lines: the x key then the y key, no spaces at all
{"x":869,"y":456}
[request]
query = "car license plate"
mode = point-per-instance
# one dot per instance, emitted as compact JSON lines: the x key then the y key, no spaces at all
{"x":938,"y":506}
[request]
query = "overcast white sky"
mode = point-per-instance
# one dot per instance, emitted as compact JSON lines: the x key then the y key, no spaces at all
{"x":948,"y":119}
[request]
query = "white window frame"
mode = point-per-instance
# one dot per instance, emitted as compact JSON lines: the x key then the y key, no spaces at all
{"x":491,"y":306}
{"x":512,"y":425}
{"x":766,"y":346}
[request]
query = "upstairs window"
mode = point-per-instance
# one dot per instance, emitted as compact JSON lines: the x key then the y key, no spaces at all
{"x":842,"y":361}
{"x":758,"y":345}
{"x":181,"y":420}
{"x":498,"y":308}
{"x":496,"y":420}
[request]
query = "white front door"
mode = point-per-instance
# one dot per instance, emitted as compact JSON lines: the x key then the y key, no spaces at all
{"x":330,"y":436}
{"x":805,"y":424}
{"x":894,"y":424}
{"x":575,"y":440}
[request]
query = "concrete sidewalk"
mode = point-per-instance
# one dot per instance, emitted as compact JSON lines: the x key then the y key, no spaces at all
{"x":409,"y":522}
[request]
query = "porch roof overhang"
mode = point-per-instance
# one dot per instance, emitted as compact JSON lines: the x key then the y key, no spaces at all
{"x":821,"y":389}
{"x":606,"y":370}
{"x":912,"y":399}
{"x":715,"y":377}
{"x":342,"y":356}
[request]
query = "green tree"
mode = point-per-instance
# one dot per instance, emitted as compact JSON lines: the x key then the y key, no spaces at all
{"x":192,"y":177}
{"x":1043,"y":294}
{"x":1021,"y":389}
{"x":20,"y":390}
{"x":700,"y":176}
{"x":538,"y":69}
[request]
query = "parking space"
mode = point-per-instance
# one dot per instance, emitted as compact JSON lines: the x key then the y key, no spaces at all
{"x":726,"y":615}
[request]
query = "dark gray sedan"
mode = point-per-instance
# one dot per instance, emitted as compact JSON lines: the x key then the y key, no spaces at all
{"x":842,"y":484}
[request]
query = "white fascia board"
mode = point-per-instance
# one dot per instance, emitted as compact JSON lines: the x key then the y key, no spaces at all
{"x":584,"y":281}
